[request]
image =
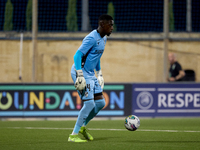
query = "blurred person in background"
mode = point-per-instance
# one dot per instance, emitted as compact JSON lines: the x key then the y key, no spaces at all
{"x":175,"y":71}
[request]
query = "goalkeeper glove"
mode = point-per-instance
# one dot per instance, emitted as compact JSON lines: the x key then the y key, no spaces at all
{"x":80,"y":81}
{"x":100,"y":78}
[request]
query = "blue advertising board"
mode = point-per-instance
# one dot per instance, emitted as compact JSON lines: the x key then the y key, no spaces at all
{"x":160,"y":100}
{"x":58,"y":100}
{"x":62,"y":100}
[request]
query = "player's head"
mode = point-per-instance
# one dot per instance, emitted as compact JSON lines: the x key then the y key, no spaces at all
{"x":106,"y":24}
{"x":172,"y":58}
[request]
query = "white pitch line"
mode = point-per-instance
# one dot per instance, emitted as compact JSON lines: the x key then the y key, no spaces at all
{"x":142,"y":130}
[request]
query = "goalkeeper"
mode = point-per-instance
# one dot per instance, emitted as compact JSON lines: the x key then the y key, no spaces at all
{"x":86,"y":60}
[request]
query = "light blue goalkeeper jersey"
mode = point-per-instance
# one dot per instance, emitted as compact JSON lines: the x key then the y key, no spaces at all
{"x":92,"y":48}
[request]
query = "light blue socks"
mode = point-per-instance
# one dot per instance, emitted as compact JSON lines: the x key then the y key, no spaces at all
{"x":99,"y":104}
{"x":88,"y":111}
{"x":83,"y":114}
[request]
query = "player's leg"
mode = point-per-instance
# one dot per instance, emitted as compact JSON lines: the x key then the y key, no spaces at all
{"x":99,"y":104}
{"x":83,"y":114}
{"x":88,"y":105}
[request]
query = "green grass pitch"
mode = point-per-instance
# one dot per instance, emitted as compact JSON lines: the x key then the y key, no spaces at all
{"x":153,"y":134}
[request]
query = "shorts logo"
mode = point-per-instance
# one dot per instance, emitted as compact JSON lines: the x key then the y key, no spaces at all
{"x":144,"y":100}
{"x":86,"y":94}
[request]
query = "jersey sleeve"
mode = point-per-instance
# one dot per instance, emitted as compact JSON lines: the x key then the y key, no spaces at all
{"x":77,"y":60}
{"x":86,"y":45}
{"x":178,"y":67}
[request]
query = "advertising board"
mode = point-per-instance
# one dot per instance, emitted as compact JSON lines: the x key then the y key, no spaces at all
{"x":160,"y":100}
{"x":53,"y":100}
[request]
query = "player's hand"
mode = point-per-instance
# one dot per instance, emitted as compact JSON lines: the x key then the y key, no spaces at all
{"x":100,"y":78}
{"x":80,"y":81}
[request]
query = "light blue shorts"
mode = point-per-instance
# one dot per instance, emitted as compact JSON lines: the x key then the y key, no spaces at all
{"x":92,"y":85}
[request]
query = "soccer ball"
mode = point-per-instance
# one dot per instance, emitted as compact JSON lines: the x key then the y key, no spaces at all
{"x":132,"y":123}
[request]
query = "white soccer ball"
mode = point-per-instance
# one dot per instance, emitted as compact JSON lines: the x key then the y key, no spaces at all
{"x":132,"y":123}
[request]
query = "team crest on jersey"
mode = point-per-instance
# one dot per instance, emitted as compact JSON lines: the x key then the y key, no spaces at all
{"x":98,"y":41}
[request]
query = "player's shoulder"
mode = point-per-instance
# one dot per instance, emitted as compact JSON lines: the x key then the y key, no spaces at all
{"x":90,"y":36}
{"x":93,"y":34}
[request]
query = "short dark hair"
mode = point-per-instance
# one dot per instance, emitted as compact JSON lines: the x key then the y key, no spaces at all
{"x":105,"y":17}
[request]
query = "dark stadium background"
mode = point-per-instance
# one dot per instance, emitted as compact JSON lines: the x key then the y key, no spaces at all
{"x":130,"y":16}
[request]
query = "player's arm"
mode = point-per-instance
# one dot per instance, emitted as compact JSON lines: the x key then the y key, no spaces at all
{"x":99,"y":74}
{"x":80,"y":80}
{"x":87,"y":43}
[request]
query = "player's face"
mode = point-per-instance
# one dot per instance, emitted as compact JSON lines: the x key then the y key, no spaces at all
{"x":109,"y":27}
